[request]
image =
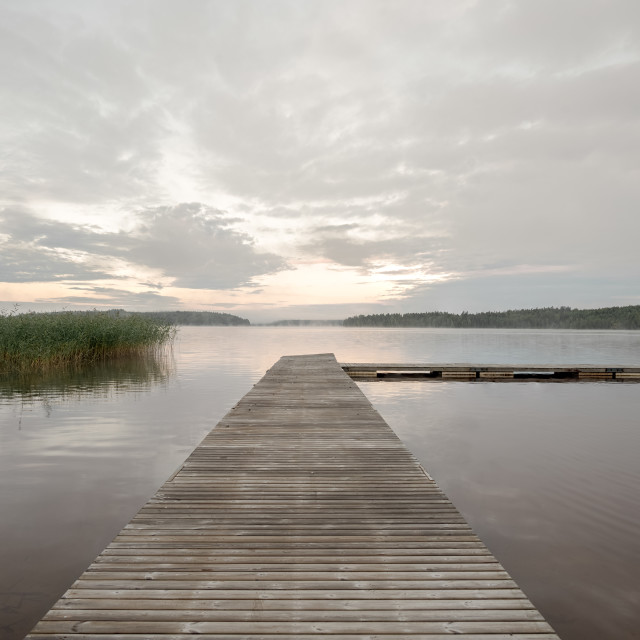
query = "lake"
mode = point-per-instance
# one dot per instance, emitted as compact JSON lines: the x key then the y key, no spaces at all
{"x":547,"y":473}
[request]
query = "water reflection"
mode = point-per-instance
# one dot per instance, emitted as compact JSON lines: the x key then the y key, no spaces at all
{"x":544,"y":472}
{"x":102,"y":379}
{"x":74,"y":467}
{"x":548,"y":476}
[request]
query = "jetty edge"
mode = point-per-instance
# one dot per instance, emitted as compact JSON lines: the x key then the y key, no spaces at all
{"x":492,"y":372}
{"x":300,"y":515}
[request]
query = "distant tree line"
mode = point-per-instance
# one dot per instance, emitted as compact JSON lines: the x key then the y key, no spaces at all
{"x":545,"y":318}
{"x":200,"y":318}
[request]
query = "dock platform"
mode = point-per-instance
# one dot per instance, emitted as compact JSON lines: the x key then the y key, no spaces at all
{"x":300,"y":515}
{"x":492,"y":372}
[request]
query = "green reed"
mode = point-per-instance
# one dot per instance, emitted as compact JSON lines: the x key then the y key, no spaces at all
{"x":39,"y":341}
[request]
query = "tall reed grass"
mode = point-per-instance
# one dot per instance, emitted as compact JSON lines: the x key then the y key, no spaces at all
{"x":39,"y":341}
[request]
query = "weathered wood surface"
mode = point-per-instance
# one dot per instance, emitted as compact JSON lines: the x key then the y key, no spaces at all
{"x":301,"y":515}
{"x":494,"y":372}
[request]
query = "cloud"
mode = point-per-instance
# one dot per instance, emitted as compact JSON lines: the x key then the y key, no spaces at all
{"x":79,"y":125}
{"x":26,"y":263}
{"x":421,"y":138}
{"x":110,"y":297}
{"x":33,"y":249}
{"x":495,"y":292}
{"x":547,"y":36}
{"x":188,"y":245}
{"x":194,"y":245}
{"x":340,"y":243}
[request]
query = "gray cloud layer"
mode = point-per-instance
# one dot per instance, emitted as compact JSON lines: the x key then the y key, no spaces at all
{"x":189,"y":243}
{"x":489,"y":139}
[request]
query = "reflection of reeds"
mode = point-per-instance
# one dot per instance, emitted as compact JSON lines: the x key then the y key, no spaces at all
{"x":45,"y":341}
{"x":102,"y":378}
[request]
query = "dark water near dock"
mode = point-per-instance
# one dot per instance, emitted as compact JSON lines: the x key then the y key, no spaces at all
{"x":548,"y":474}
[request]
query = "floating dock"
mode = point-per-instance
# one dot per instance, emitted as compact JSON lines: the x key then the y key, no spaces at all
{"x":493,"y":372}
{"x":300,"y":516}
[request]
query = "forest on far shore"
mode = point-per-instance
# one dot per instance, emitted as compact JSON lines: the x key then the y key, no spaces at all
{"x":199,"y":318}
{"x":545,"y":318}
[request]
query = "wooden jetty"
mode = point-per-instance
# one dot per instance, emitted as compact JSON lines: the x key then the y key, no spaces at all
{"x":300,"y":516}
{"x":493,"y":372}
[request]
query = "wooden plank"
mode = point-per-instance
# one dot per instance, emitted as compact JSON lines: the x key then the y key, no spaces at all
{"x":290,"y":628}
{"x":148,"y":604}
{"x":300,"y":614}
{"x":301,"y":515}
{"x":253,"y":583}
{"x":459,"y":375}
{"x":262,"y":594}
{"x":78,"y":635}
{"x":153,"y":564}
{"x":462,"y":366}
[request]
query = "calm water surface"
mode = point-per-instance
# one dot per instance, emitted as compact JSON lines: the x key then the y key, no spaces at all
{"x":548,"y":474}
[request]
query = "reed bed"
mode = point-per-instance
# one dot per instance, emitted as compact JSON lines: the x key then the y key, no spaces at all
{"x":41,"y":341}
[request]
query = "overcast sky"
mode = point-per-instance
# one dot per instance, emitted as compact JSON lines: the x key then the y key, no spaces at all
{"x":317,"y":159}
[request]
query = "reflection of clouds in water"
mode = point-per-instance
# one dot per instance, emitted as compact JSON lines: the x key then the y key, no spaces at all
{"x":397,"y":391}
{"x":527,"y":463}
{"x":83,"y":415}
